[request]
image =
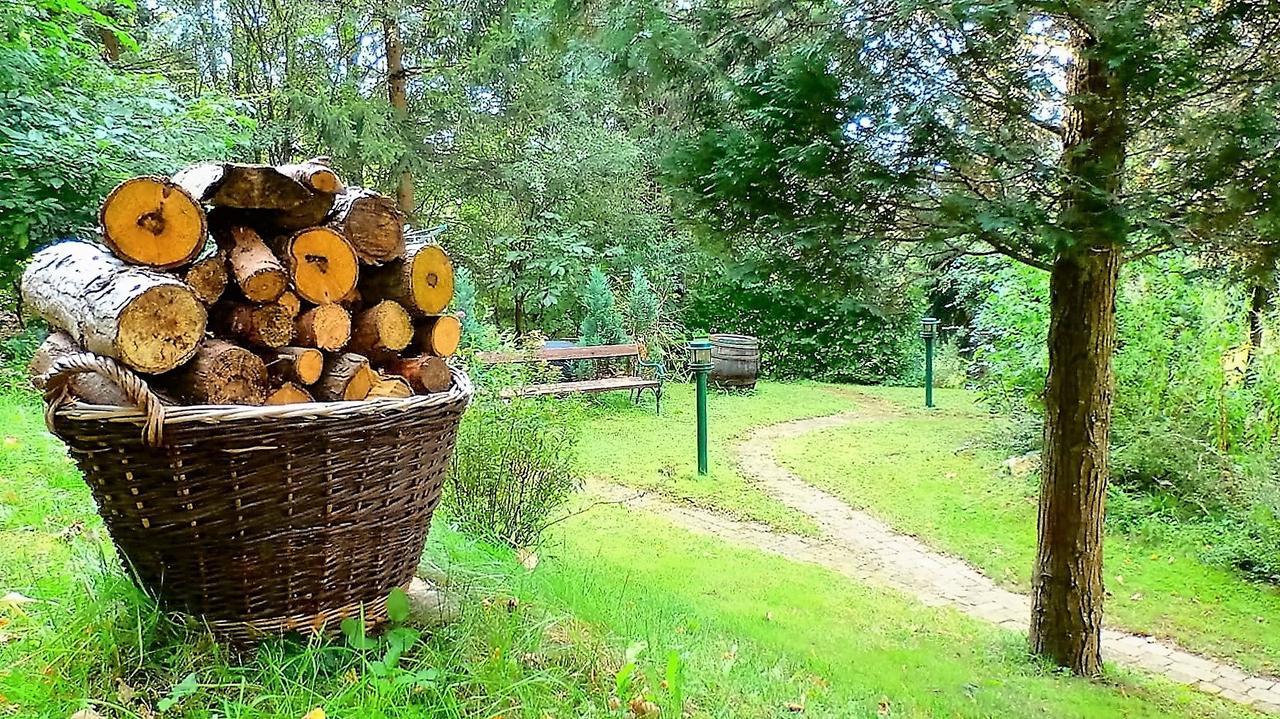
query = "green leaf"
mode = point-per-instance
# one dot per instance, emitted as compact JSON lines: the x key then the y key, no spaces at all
{"x":398,"y":605}
{"x":353,"y":630}
{"x":180,"y":691}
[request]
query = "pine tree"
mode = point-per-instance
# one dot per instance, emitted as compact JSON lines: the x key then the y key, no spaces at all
{"x":601,"y":323}
{"x":642,"y":311}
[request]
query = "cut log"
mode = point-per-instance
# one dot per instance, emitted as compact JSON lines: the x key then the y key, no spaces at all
{"x":390,"y":386}
{"x":323,"y":265}
{"x":207,"y":276}
{"x":371,"y":222}
{"x":263,"y":196}
{"x":300,"y":365}
{"x":422,"y":281}
{"x":425,"y":374}
{"x":256,"y":269}
{"x":268,"y":325}
{"x":325,"y":326}
{"x":151,"y":221}
{"x":439,"y":335}
{"x":290,"y":301}
{"x":346,"y":377}
{"x":246,"y":187}
{"x":87,"y":387}
{"x":315,"y":174}
{"x":385,"y":326}
{"x":289,"y":393}
{"x":223,"y":373}
{"x":149,"y":320}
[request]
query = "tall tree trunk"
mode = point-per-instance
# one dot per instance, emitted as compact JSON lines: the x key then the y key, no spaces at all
{"x":400,"y":104}
{"x":1263,"y":279}
{"x":1067,"y":589}
{"x":519,"y":315}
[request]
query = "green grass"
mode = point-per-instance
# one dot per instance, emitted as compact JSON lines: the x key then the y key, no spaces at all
{"x":636,"y":447}
{"x":930,"y":474}
{"x":694,"y":623}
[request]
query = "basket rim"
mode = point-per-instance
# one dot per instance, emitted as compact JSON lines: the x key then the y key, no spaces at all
{"x":460,"y":390}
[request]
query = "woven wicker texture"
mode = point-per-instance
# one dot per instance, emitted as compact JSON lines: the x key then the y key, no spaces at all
{"x":264,"y":519}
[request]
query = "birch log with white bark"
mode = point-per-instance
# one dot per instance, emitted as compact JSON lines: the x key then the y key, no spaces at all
{"x":148,"y":320}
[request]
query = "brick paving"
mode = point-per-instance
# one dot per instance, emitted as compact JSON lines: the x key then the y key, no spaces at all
{"x":864,"y":548}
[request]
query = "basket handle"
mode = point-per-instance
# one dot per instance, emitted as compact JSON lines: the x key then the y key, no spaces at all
{"x":57,"y":390}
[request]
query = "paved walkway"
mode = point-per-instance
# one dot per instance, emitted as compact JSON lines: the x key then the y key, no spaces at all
{"x":864,"y":548}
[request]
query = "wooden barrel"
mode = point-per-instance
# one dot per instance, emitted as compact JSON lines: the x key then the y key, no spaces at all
{"x":735,"y":361}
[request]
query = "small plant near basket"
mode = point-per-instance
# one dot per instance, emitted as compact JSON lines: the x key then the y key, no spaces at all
{"x":382,"y":653}
{"x":513,"y":468}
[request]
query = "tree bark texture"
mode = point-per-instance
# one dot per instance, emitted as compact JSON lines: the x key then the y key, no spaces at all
{"x":399,"y":101}
{"x":1067,"y":586}
{"x":371,"y":222}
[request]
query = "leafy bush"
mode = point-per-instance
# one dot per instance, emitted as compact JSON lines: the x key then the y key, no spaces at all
{"x":513,"y":468}
{"x":73,"y":128}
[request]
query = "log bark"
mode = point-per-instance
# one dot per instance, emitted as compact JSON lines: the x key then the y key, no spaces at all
{"x":425,"y":374}
{"x":300,"y":365}
{"x":327,"y":327}
{"x":385,"y":326}
{"x":148,"y":320}
{"x":439,"y":335}
{"x":322,"y":264}
{"x":422,"y":282}
{"x":1067,"y":584}
{"x":390,"y":386}
{"x":90,"y":388}
{"x":347,"y":376}
{"x":263,"y":196}
{"x":257,"y":271}
{"x":223,"y":373}
{"x":268,"y":325}
{"x":207,"y":276}
{"x":289,"y":393}
{"x":371,"y":222}
{"x":153,"y":222}
{"x":242,"y":186}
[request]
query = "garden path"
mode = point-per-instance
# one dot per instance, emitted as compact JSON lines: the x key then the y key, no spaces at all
{"x":864,"y":548}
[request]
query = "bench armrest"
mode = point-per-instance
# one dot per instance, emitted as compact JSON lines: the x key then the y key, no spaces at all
{"x":659,"y":370}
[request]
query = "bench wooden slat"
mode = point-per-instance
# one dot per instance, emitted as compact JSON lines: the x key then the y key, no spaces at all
{"x":608,"y":384}
{"x":554,"y":354}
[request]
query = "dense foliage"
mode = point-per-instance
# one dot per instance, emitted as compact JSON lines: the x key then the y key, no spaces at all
{"x":74,"y":127}
{"x":1197,"y":406}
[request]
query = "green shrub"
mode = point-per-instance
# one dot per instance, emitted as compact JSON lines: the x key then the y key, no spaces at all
{"x":513,"y":468}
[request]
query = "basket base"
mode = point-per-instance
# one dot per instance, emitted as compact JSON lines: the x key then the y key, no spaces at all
{"x":247,"y":633}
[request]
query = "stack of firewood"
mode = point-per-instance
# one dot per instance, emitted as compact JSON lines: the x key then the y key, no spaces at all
{"x":249,"y":284}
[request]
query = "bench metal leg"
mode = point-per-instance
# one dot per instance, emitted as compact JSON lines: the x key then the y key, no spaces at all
{"x":657,"y":399}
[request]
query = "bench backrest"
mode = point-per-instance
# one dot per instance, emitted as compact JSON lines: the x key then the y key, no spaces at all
{"x":557,"y":354}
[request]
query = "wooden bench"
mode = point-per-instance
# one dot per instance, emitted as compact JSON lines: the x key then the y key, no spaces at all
{"x":635,"y":380}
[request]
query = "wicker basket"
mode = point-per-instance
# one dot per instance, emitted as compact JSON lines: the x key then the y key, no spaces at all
{"x":262,"y":520}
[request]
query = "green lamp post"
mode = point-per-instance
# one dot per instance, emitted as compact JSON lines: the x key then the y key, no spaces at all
{"x":700,"y":363}
{"x":929,"y":333}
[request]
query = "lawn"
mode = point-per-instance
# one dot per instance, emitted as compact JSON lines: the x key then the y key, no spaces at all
{"x":930,"y":473}
{"x":636,"y":447}
{"x":620,"y":604}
